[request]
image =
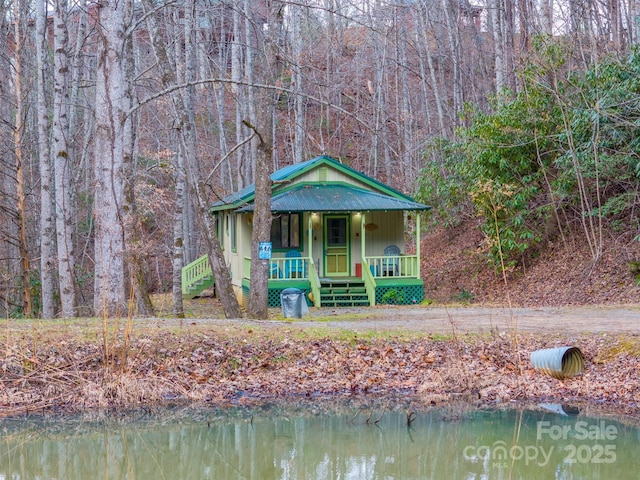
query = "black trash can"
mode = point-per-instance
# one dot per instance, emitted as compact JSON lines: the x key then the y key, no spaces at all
{"x":293,"y":302}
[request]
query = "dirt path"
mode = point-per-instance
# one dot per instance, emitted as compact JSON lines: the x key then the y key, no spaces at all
{"x":441,"y":320}
{"x":475,"y":319}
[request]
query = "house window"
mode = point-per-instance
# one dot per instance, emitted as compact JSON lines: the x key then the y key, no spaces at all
{"x":220,"y":228}
{"x":226,"y":229}
{"x":285,"y":231}
{"x":234,"y":226}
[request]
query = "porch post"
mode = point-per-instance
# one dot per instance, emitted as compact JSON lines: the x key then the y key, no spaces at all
{"x":310,"y":235}
{"x":418,"y":241}
{"x":362,"y":242}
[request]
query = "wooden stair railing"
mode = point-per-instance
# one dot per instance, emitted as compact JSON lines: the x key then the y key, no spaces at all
{"x":197,"y":277}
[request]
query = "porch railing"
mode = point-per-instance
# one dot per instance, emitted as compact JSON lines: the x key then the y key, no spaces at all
{"x":291,"y":269}
{"x":283,"y":268}
{"x":369,"y":282}
{"x":314,"y":280}
{"x":382,"y":266}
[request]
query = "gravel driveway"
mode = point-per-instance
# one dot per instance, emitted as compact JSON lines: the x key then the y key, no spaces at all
{"x":478,"y":319}
{"x":583,"y":319}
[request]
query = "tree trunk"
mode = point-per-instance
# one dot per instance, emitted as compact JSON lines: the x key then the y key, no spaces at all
{"x":632,"y":21}
{"x":299,"y":100}
{"x":264,"y":107}
{"x":407,"y":172}
{"x":74,"y":96}
{"x":423,"y":24}
{"x":25,"y":269}
{"x":239,"y":92}
{"x":524,"y":17}
{"x":137,"y":257}
{"x":451,"y":16}
{"x":509,"y":46}
{"x":178,"y":240}
{"x":62,"y":162}
{"x":497,"y":19}
{"x":47,"y":246}
{"x":109,"y":279}
{"x":546,"y":7}
{"x":252,"y":29}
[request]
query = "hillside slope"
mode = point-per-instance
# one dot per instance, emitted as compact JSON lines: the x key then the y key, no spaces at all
{"x":455,"y":270}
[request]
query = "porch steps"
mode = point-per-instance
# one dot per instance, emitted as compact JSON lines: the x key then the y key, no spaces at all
{"x":343,"y":293}
{"x":196,"y":288}
{"x":197,"y":277}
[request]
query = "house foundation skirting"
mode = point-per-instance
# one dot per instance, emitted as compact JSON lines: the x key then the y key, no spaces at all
{"x":275,"y":288}
{"x":389,"y":291}
{"x":399,"y":291}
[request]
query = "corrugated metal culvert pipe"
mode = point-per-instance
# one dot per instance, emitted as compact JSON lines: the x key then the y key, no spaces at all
{"x":560,"y":363}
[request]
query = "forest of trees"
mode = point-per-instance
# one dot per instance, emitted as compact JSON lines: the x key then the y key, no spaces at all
{"x":122,"y":121}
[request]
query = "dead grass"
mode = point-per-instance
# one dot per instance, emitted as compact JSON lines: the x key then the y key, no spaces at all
{"x":615,"y":346}
{"x":64,"y":365}
{"x":125,"y":390}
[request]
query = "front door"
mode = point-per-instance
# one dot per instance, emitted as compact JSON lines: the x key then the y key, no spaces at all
{"x":336,"y":245}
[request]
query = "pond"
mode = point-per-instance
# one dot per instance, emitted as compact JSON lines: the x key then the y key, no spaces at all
{"x":319,"y":442}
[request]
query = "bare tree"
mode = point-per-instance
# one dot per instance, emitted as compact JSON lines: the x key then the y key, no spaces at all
{"x":109,"y":148}
{"x":61,"y":159}
{"x":237,"y":56}
{"x":451,"y":14}
{"x":136,"y":259}
{"x":248,"y":112}
{"x":178,"y":238}
{"x":19,"y":159}
{"x":631,"y":21}
{"x":297,"y":80}
{"x":405,"y":114}
{"x":380,"y":157}
{"x":47,"y":245}
{"x":181,"y":103}
{"x":497,"y":28}
{"x":546,"y":10}
{"x":264,"y":99}
{"x":427,"y":66}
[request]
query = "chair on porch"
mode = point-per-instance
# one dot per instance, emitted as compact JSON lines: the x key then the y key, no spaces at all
{"x":294,"y":266}
{"x":391,"y":266}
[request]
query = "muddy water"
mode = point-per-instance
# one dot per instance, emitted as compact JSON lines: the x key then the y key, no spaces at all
{"x":347,"y":443}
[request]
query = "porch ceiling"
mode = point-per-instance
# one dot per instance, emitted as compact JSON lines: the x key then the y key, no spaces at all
{"x":335,"y":198}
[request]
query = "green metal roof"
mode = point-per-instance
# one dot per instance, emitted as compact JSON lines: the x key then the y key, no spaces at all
{"x":315,"y":197}
{"x":288,"y":173}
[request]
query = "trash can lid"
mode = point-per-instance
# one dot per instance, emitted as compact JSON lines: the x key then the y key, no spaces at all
{"x":290,"y":290}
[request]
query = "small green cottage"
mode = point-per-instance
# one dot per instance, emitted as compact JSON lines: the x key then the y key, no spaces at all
{"x":337,"y":234}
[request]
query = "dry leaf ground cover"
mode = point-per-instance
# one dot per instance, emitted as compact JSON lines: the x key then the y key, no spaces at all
{"x":91,"y":364}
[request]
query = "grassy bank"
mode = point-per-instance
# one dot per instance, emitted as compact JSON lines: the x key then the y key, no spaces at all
{"x":89,"y":364}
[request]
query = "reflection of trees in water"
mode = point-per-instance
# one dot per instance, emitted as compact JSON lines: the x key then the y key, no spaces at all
{"x":363,"y":439}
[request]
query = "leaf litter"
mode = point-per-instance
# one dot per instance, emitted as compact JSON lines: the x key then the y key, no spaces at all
{"x":216,"y":366}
